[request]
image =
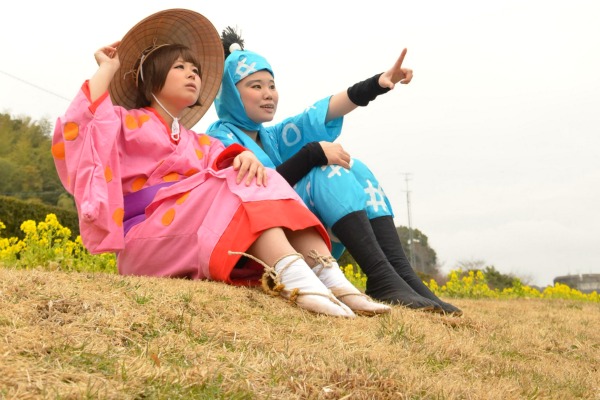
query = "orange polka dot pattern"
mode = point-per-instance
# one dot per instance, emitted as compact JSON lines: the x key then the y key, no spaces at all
{"x":58,"y":151}
{"x":108,"y":175}
{"x":143,"y":119}
{"x":182,"y":198}
{"x":138,"y":183}
{"x":168,"y":217}
{"x":69,"y":146}
{"x":130,"y":122}
{"x":118,"y":216}
{"x":71,"y":131}
{"x":171,"y":177}
{"x":204,"y":140}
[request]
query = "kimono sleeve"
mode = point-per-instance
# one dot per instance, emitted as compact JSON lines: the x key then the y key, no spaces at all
{"x":84,"y":148}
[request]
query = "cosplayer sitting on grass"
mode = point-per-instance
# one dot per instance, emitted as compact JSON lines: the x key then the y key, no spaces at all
{"x":340,"y":190}
{"x":173,"y":203}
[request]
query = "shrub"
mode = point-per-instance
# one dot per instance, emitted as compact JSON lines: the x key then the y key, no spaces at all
{"x":48,"y":245}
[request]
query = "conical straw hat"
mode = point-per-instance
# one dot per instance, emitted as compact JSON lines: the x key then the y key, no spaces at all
{"x":174,"y":26}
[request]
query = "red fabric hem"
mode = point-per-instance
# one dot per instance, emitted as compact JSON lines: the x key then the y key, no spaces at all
{"x":248,"y":223}
{"x":85,"y":88}
{"x":225,"y":159}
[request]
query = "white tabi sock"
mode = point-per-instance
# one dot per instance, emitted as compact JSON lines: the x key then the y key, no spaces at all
{"x":294,"y":273}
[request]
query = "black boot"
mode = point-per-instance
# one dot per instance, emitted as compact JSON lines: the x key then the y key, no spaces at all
{"x":388,"y":240}
{"x":355,"y":232}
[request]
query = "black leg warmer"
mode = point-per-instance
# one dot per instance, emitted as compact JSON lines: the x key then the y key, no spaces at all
{"x":388,"y":239}
{"x":355,"y":232}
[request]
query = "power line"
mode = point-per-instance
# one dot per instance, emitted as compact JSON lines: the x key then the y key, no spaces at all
{"x":36,"y":86}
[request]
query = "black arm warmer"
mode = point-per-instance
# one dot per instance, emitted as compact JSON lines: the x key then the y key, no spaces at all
{"x":298,"y":165}
{"x":363,"y":92}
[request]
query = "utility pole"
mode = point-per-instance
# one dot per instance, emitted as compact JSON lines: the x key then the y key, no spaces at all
{"x":410,"y":230}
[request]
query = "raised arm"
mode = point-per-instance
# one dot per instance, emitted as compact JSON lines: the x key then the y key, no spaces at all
{"x":108,"y":63}
{"x":361,"y":93}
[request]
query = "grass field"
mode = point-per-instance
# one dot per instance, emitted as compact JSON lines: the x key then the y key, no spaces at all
{"x":104,"y":336}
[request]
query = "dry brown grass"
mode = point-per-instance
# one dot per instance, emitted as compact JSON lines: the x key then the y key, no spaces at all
{"x":80,"y":335}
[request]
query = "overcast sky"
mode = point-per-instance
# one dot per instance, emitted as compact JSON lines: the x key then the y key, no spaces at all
{"x":498,"y":134}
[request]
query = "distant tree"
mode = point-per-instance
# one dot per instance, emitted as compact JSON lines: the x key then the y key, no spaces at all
{"x":8,"y":170}
{"x":471,"y":265}
{"x":26,"y":166}
{"x":65,"y":200}
{"x":425,"y":257}
{"x":495,"y":279}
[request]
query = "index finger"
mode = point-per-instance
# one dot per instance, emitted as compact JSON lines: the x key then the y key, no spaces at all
{"x":401,"y":58}
{"x":242,"y":171}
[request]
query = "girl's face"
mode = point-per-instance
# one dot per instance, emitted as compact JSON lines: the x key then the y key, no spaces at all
{"x":182,"y":85}
{"x":259,"y":96}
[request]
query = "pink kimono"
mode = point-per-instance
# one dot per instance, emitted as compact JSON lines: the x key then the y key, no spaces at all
{"x":167,"y":209}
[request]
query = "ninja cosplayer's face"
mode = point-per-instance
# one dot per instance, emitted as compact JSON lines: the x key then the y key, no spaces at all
{"x":259,"y":96}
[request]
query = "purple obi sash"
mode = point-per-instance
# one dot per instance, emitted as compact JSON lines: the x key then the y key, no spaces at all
{"x":135,"y":205}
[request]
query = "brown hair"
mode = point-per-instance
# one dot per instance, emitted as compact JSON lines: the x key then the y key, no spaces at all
{"x":155,"y":69}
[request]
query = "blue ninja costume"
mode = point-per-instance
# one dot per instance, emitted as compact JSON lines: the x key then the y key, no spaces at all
{"x":330,"y":191}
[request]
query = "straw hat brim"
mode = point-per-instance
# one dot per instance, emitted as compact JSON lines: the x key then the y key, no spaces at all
{"x":174,"y":26}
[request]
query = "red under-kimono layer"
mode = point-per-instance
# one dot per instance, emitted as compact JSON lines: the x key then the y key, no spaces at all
{"x":248,"y":223}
